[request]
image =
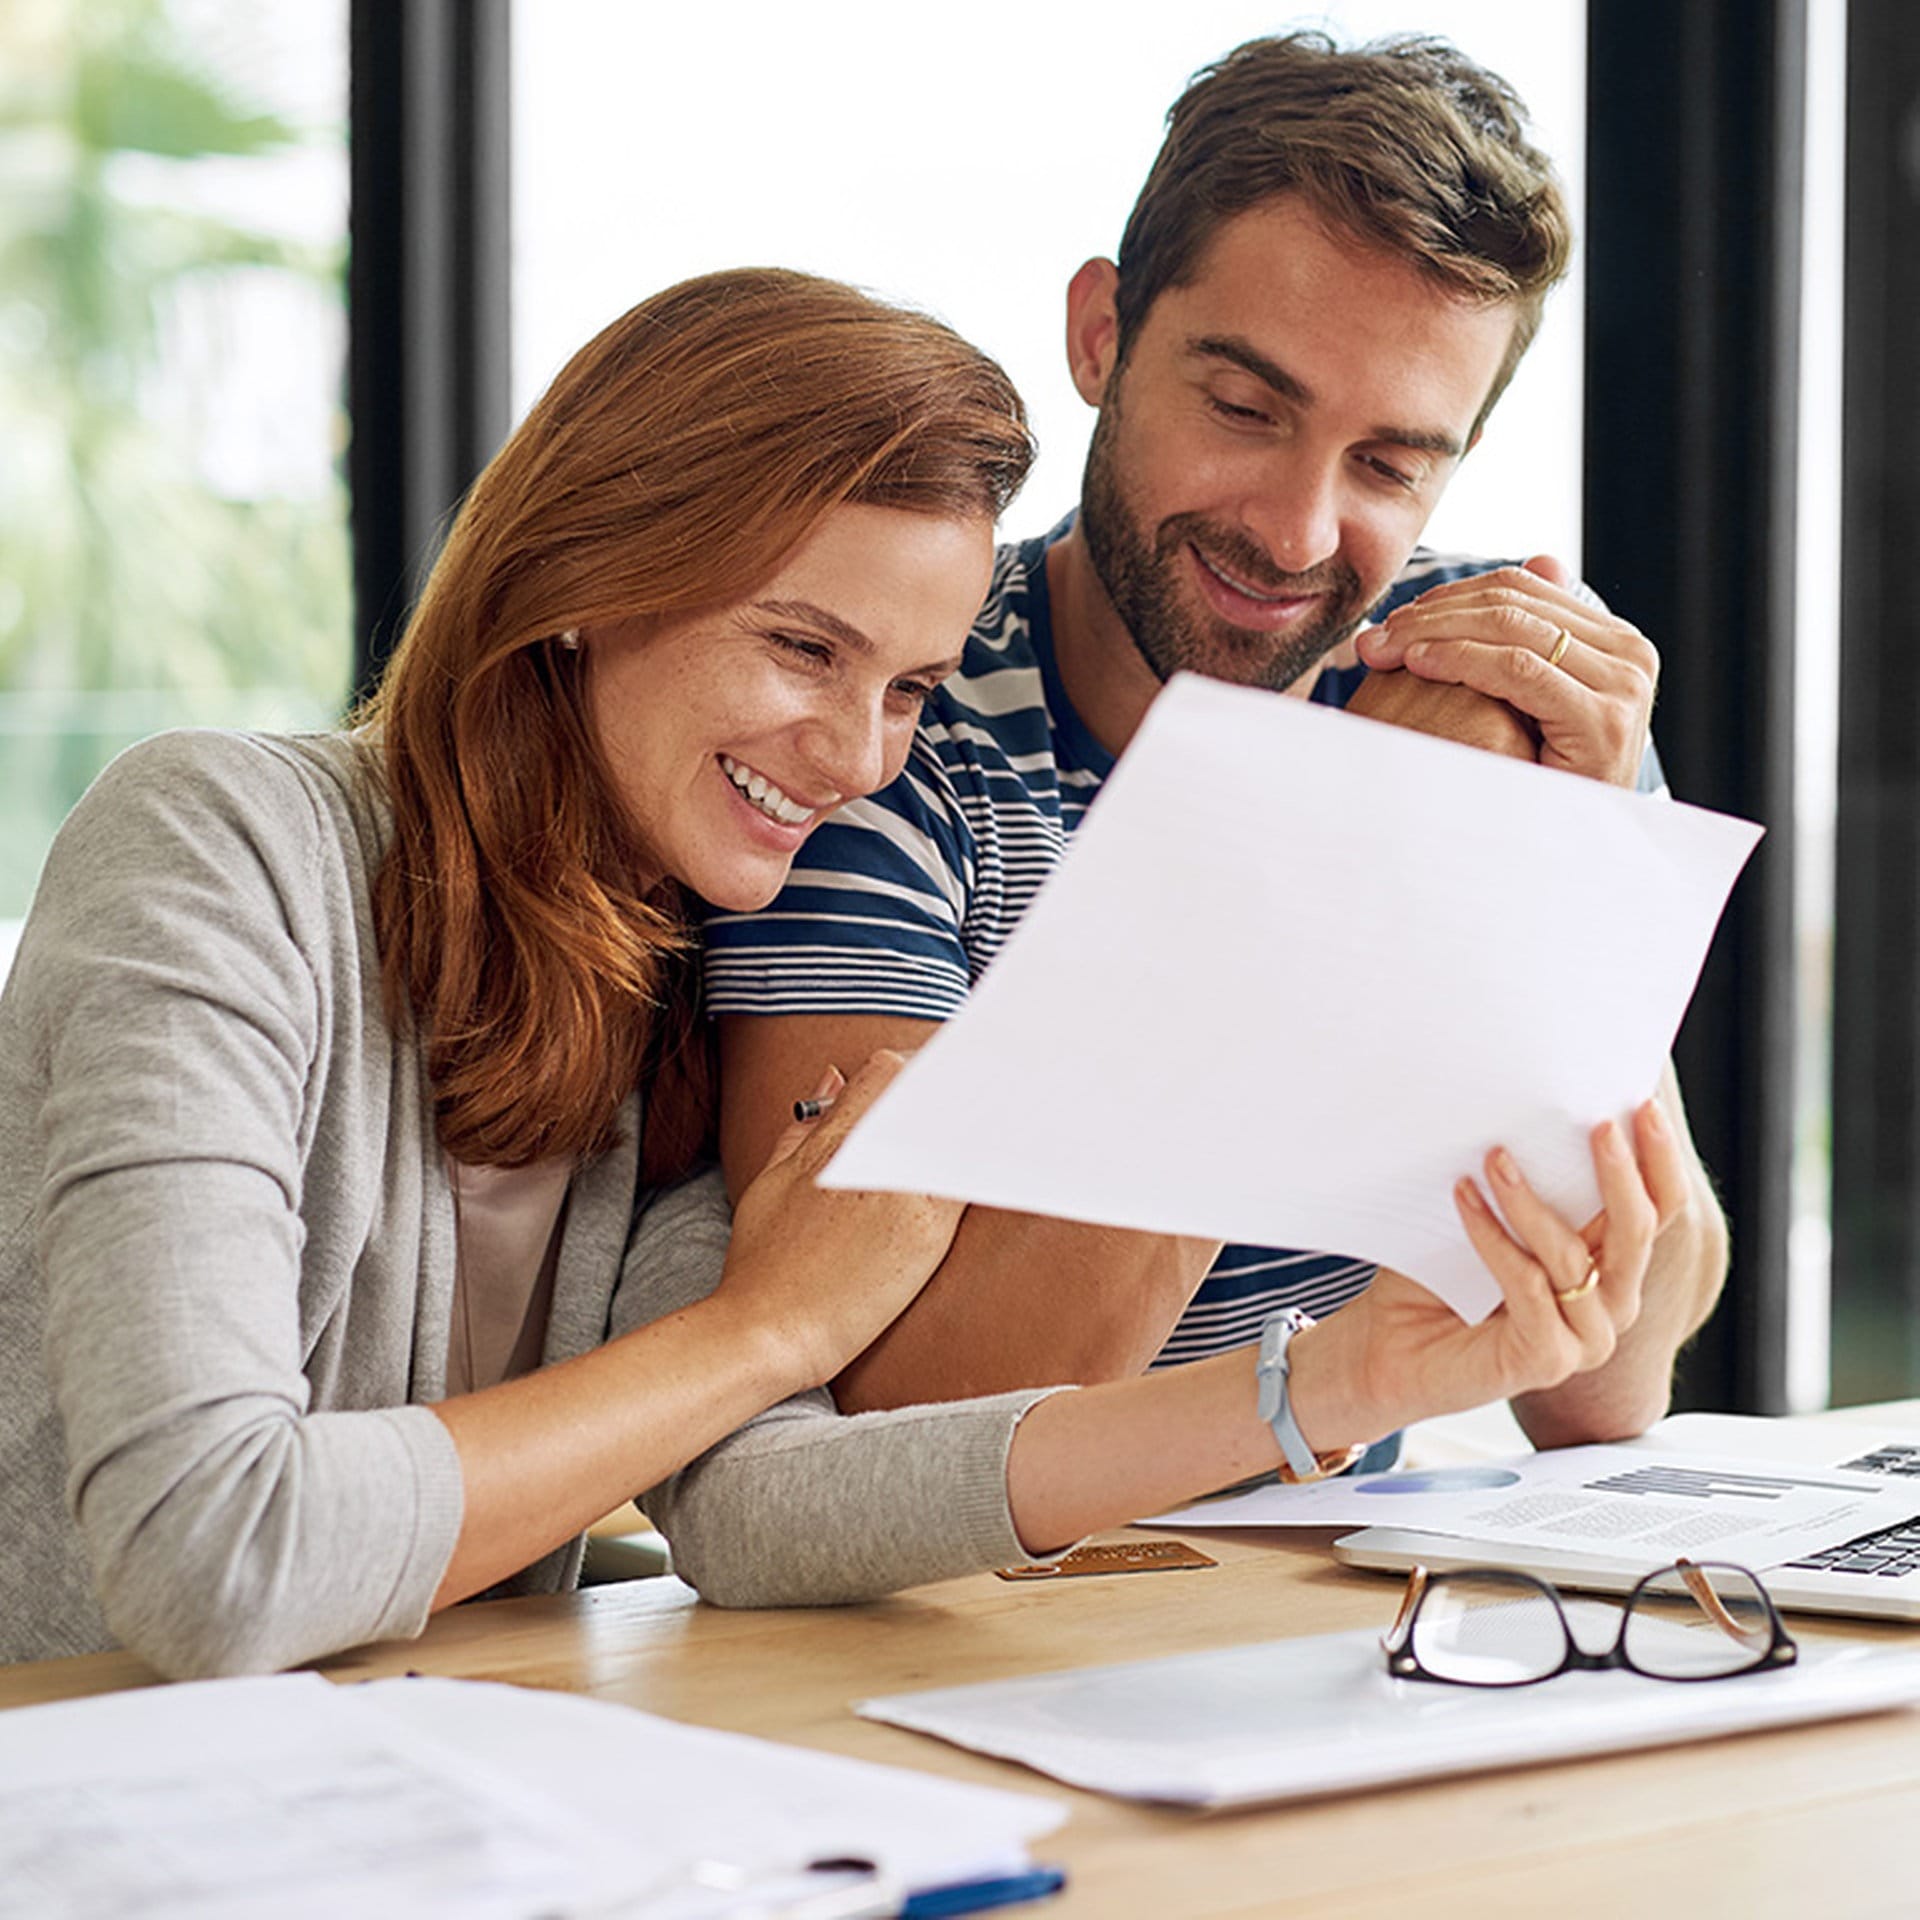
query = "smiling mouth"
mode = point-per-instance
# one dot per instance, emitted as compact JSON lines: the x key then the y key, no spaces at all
{"x":1290,"y":598}
{"x":758,"y":791}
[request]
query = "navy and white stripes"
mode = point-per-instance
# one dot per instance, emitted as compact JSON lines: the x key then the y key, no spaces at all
{"x":900,"y":902}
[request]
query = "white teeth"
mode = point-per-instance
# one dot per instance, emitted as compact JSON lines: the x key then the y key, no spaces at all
{"x":1239,"y":586}
{"x":764,"y":794}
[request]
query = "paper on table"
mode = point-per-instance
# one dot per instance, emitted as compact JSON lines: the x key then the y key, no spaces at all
{"x":1297,"y":973}
{"x":225,"y":1799}
{"x":1623,"y":1502}
{"x":686,"y":1794}
{"x":1293,"y":1719}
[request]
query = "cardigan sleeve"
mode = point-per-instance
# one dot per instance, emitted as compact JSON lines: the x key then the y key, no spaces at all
{"x":806,"y":1506}
{"x":228,"y":1526}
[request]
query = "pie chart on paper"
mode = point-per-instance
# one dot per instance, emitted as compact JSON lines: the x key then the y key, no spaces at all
{"x":1440,"y":1480}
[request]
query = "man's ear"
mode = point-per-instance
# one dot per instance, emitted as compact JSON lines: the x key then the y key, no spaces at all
{"x":1093,"y":328}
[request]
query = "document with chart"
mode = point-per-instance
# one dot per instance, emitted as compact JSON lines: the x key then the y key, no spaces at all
{"x":1869,"y":1567}
{"x":1624,"y":1503}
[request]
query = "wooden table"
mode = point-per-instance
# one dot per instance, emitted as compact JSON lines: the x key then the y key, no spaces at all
{"x":1816,"y":1821}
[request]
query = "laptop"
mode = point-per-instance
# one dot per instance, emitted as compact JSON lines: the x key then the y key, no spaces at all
{"x":1876,"y":1575}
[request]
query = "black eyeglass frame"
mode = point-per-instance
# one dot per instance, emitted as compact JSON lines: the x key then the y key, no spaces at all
{"x":1781,"y":1650}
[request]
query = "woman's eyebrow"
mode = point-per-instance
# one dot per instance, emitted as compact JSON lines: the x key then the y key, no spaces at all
{"x":816,"y":616}
{"x":806,"y":612}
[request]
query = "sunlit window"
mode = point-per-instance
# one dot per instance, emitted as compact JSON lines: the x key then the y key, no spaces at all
{"x":173,"y":539}
{"x":1816,"y":705}
{"x":966,"y":160}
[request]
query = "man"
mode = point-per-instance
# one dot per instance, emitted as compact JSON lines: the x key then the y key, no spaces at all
{"x":1331,"y":274}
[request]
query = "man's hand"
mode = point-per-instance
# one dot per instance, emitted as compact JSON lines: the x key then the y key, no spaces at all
{"x":1451,"y":713}
{"x":1502,"y":634}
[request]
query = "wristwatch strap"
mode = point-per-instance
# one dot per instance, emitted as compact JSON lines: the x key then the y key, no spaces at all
{"x":1276,"y":1409}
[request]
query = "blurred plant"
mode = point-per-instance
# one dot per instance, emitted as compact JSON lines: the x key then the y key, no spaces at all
{"x":133,"y":594}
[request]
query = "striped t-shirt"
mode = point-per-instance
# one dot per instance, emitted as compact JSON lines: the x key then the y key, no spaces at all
{"x":899,"y":902}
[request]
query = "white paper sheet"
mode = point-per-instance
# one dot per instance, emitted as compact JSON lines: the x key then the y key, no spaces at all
{"x":223,"y":1800}
{"x":229,"y":1799}
{"x":1293,"y":1719}
{"x":1297,"y":973}
{"x":1626,"y":1502}
{"x":684,"y":1795}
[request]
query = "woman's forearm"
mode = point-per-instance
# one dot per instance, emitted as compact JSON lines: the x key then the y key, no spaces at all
{"x":544,"y":1456}
{"x":1105,"y":1455}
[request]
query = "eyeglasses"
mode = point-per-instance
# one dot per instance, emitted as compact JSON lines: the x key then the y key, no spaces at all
{"x":1485,"y":1627}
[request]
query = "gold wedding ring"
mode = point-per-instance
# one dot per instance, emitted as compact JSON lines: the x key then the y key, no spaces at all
{"x":1582,"y":1287}
{"x":1553,"y":660}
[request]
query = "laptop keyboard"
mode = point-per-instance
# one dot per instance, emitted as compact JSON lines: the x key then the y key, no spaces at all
{"x":1896,"y":1457}
{"x":1893,"y":1550}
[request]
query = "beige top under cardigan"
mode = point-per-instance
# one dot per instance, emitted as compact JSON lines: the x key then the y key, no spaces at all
{"x":227,"y":1261}
{"x":506,"y":1250}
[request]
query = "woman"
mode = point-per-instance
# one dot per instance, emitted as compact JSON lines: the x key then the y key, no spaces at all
{"x":321,"y":1164}
{"x":361,"y":1280}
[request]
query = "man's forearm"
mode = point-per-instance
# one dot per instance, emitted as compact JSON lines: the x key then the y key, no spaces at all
{"x":1026,"y":1302}
{"x":1019,"y":1301}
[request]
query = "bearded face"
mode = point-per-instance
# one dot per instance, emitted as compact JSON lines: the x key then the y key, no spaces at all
{"x":1149,"y":575}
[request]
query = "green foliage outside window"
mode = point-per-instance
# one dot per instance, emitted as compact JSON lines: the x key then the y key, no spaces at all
{"x":139,"y":588}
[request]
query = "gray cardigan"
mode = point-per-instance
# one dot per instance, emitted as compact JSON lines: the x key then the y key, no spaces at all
{"x":226,"y":1266}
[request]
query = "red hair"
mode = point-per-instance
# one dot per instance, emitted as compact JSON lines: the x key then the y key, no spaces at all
{"x":673,"y":464}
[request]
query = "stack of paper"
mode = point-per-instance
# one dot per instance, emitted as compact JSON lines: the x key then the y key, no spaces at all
{"x":1292,"y":1719}
{"x":228,"y":1799}
{"x":1298,"y":973}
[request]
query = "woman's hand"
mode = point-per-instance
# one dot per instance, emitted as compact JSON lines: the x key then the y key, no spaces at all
{"x":1399,"y":1353}
{"x":828,"y":1271}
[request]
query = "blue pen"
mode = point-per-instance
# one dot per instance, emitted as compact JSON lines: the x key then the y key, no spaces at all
{"x":976,"y":1896}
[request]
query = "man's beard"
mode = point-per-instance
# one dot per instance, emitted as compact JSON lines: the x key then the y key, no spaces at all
{"x":1144,"y":583}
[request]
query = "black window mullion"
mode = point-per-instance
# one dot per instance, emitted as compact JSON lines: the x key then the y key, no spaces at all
{"x":429,"y":393}
{"x":1693,"y":262}
{"x":1876,"y":1101}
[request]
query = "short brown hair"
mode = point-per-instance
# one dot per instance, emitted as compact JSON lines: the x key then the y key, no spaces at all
{"x":1404,"y":143}
{"x":674,"y":463}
